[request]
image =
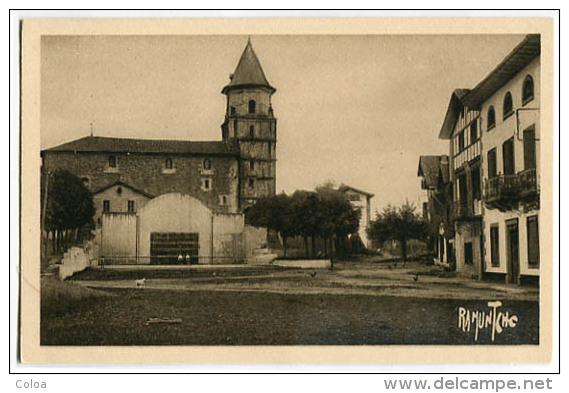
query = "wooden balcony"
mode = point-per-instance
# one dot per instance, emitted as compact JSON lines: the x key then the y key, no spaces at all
{"x":504,"y":192}
{"x":528,"y":185}
{"x":465,"y":211}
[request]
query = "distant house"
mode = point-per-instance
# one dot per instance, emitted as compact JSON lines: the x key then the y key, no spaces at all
{"x":360,"y":199}
{"x":435,"y":180}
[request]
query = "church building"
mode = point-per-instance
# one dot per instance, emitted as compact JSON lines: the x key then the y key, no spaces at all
{"x":158,"y":199}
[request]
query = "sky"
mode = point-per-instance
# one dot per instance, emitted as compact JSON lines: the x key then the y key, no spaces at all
{"x":351,"y":109}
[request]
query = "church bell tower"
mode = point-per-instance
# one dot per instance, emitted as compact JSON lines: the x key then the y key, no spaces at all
{"x":250,"y":124}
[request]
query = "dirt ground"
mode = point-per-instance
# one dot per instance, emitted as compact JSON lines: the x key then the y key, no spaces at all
{"x":355,"y":303}
{"x":356,"y":278}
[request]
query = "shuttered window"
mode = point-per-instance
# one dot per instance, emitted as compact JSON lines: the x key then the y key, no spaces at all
{"x":533,"y":242}
{"x":529,"y":148}
{"x":492,"y":171}
{"x":495,"y":245}
{"x":508,"y":156}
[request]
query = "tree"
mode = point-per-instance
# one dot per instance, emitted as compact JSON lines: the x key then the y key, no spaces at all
{"x":337,"y":216}
{"x":305,"y":208}
{"x":397,"y":223}
{"x":325,"y":213}
{"x":276,"y":213}
{"x":69,"y":206}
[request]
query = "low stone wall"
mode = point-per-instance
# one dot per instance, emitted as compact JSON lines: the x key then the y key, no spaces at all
{"x":77,"y":259}
{"x":304,"y":263}
{"x":261,"y":257}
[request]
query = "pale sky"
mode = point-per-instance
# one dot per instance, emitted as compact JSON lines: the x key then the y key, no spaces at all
{"x":358,"y":110}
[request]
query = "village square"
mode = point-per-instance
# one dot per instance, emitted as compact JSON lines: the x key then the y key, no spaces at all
{"x":150,"y":240}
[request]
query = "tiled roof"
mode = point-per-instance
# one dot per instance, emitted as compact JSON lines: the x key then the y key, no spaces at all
{"x":145,"y":146}
{"x":518,"y":58}
{"x":431,"y":168}
{"x":249,"y":72}
{"x":454,"y":108}
{"x":345,"y":188}
{"x":123,"y":184}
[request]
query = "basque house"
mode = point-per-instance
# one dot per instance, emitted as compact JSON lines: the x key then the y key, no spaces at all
{"x":509,"y":102}
{"x":361,"y":200}
{"x":434,"y":173}
{"x":493,"y":132}
{"x":461,"y":126}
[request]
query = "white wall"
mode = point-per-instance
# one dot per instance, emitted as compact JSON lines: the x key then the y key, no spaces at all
{"x":494,"y":138}
{"x":175,"y":213}
{"x":118,"y":235}
{"x":118,"y":202}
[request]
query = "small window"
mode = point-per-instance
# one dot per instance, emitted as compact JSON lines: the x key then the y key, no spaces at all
{"x":223,"y":200}
{"x":232,"y":111}
{"x":270,"y":147}
{"x":207,"y":164}
{"x":252,"y":165}
{"x":492,"y":166}
{"x":235,"y":125}
{"x":508,"y":157}
{"x":473,"y":132}
{"x":529,"y":148}
{"x":252,"y":106}
{"x":206,"y":184}
{"x":495,"y":245}
{"x":131,"y":206}
{"x":533,"y":242}
{"x":119,"y":190}
{"x":252,"y":132}
{"x":106,"y":206}
{"x":491,"y":118}
{"x":508,"y":107}
{"x":86,"y":182}
{"x":476,"y":183}
{"x":461,"y":141}
{"x":527,"y":90}
{"x":112,"y":161}
{"x":168,"y":164}
{"x":354,"y":197}
{"x":251,"y":183}
{"x":468,"y":254}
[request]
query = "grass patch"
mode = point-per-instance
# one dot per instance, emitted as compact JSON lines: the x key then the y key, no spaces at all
{"x":241,"y":318}
{"x":60,"y":297}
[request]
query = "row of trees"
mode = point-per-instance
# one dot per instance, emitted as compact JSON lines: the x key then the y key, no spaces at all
{"x":67,"y":208}
{"x":400,"y":224}
{"x":324,"y":213}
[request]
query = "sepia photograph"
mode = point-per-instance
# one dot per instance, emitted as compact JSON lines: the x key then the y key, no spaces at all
{"x":284,"y":190}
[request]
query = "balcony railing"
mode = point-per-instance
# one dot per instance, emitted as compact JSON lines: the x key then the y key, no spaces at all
{"x":464,"y":210}
{"x":528,"y":182}
{"x":504,"y":190}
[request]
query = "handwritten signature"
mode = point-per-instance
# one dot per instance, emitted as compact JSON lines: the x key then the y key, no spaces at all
{"x":492,"y":318}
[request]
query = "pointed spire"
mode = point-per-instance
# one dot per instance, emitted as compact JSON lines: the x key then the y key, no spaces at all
{"x":249,"y":72}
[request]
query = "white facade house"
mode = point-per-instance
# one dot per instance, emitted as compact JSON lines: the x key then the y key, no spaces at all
{"x":509,"y":103}
{"x":360,"y":199}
